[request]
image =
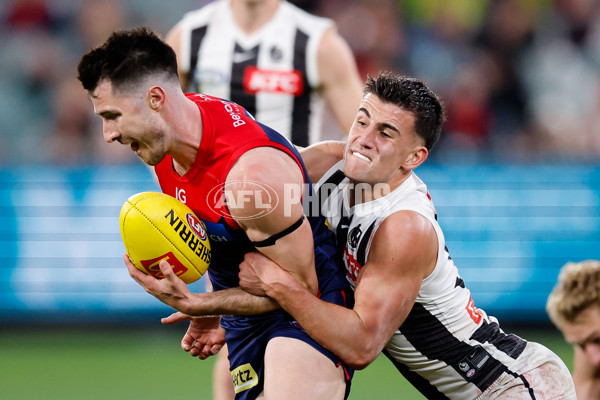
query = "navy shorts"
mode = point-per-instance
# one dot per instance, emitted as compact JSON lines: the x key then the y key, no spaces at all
{"x":247,"y":339}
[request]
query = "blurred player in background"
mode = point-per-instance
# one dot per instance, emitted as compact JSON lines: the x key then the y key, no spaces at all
{"x":574,"y":307}
{"x":278,"y":62}
{"x":274,"y":59}
{"x":198,"y":143}
{"x":410,"y":300}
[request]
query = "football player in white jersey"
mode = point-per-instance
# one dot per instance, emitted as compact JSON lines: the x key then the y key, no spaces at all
{"x":280,"y":63}
{"x":574,"y":307}
{"x":273,"y":58}
{"x":410,"y":301}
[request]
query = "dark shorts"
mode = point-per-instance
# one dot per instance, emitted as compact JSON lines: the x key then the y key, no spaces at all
{"x":247,"y":339}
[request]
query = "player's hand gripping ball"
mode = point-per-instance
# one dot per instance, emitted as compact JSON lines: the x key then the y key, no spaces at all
{"x":156,"y":227}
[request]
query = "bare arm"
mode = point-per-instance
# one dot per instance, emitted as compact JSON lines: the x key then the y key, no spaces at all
{"x":282,"y":189}
{"x":172,"y":291}
{"x":173,"y":39}
{"x":403,"y":252}
{"x":341,"y":83}
{"x":293,"y":252}
{"x":319,"y":157}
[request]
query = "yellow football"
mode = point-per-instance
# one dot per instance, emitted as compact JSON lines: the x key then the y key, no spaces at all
{"x":156,"y":227}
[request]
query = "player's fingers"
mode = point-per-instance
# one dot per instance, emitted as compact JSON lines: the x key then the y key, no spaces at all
{"x":187,"y":342}
{"x":175,"y":318}
{"x":135,"y":273}
{"x":166,"y":269}
{"x":214,"y":350}
{"x":206,"y":352}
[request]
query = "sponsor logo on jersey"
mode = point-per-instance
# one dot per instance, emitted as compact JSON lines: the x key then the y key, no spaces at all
{"x":244,"y":377}
{"x":153,"y":269}
{"x":473,"y":311}
{"x":352,"y":266}
{"x":235,"y":112}
{"x":217,"y":232}
{"x":209,"y":78}
{"x":272,"y":81}
{"x":240,"y":57}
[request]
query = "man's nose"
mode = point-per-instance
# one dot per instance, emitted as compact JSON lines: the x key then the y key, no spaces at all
{"x":367,"y":137}
{"x":593,"y":353}
{"x":110,"y":133}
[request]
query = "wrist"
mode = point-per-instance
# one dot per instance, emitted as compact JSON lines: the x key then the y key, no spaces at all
{"x":283,"y":285}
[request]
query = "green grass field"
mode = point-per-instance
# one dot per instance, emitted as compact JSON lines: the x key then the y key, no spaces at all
{"x":147,"y":363}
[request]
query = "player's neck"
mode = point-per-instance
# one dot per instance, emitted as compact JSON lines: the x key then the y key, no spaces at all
{"x":250,"y":16}
{"x":362,"y":192}
{"x":187,"y":139}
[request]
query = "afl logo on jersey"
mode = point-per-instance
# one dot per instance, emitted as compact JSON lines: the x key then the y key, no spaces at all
{"x":354,"y":236}
{"x":197,"y":226}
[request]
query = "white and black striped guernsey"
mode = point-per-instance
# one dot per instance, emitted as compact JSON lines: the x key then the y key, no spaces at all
{"x":272,"y":73}
{"x":447,"y":348}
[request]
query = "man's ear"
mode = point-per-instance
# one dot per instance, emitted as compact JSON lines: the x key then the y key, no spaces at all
{"x":155,"y":97}
{"x":417,"y":157}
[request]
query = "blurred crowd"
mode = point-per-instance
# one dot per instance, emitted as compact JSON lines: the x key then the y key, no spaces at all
{"x":520,"y":78}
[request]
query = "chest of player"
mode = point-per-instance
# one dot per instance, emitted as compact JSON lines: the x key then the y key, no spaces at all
{"x":353,"y":239}
{"x":230,"y":64}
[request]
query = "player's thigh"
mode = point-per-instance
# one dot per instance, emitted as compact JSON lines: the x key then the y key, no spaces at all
{"x":222,"y":383}
{"x":296,"y":370}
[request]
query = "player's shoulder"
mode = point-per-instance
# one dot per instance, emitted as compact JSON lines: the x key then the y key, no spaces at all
{"x":405,"y":232}
{"x":404,"y":220}
{"x":303,"y":18}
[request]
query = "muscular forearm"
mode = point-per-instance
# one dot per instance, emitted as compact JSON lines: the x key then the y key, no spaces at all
{"x":338,"y":329}
{"x":232,"y":301}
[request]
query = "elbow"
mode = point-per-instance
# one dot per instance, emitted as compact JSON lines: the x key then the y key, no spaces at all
{"x":360,"y":358}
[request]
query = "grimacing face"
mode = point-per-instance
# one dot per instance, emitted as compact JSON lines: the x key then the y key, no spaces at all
{"x":584,"y":333}
{"x":127,"y":119}
{"x":381,"y":140}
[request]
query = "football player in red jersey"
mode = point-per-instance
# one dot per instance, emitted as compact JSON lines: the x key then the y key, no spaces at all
{"x":280,"y":63}
{"x":199,"y":145}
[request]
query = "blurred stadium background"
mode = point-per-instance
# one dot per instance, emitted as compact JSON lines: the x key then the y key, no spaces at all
{"x":516,"y":179}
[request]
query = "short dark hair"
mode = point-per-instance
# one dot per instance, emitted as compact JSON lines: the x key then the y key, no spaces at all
{"x":126,"y":58}
{"x":414,"y":96}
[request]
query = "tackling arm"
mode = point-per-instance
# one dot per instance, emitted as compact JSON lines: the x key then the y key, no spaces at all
{"x":403,"y":252}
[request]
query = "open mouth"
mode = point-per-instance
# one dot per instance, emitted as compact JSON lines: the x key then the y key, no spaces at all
{"x":135,"y":146}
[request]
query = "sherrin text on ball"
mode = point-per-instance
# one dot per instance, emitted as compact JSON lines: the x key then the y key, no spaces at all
{"x":156,"y":227}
